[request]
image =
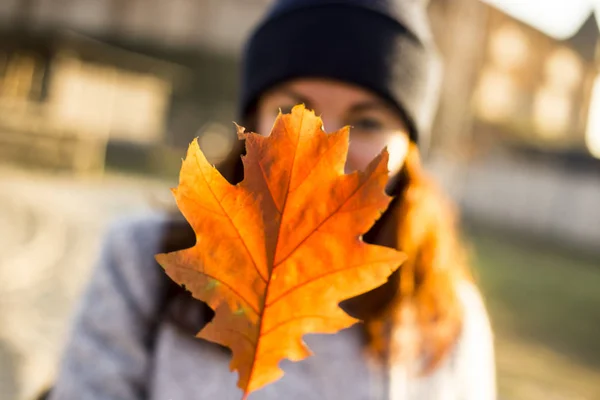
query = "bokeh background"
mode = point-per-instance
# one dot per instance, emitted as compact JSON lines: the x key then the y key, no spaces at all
{"x":99,"y":99}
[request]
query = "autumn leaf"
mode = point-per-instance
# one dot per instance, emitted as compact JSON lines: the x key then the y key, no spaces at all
{"x":277,"y":253}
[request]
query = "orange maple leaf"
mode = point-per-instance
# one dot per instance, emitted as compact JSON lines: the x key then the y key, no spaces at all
{"x":277,"y":253}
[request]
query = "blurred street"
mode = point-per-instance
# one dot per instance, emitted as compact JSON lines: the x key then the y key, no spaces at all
{"x":50,"y":229}
{"x":49,"y":235}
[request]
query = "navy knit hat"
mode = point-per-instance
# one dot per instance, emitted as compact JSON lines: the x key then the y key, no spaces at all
{"x":384,"y":46}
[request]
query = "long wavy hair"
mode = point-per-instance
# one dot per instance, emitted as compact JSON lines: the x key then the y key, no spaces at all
{"x":417,"y":314}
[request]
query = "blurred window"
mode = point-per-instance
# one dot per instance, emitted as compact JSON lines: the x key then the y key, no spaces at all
{"x":592,"y":138}
{"x":509,"y":47}
{"x":495,"y":95}
{"x":101,"y":100}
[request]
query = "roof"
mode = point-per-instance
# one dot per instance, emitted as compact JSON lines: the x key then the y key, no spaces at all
{"x":574,"y":22}
{"x":560,"y":19}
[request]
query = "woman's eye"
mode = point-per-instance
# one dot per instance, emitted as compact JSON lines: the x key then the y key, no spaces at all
{"x":367,"y":124}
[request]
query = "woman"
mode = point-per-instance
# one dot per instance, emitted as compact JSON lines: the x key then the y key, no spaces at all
{"x":365,"y":63}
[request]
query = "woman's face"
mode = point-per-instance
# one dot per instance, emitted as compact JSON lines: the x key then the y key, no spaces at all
{"x":374,"y":124}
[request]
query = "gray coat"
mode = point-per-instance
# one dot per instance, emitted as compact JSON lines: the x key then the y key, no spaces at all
{"x":119,"y":350}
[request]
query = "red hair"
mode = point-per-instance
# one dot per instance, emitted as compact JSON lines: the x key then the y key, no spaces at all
{"x":424,"y":315}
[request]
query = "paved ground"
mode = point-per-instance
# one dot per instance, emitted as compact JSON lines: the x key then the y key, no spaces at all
{"x":50,"y":228}
{"x":49,"y":235}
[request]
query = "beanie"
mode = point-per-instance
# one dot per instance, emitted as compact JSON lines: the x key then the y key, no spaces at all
{"x":384,"y":46}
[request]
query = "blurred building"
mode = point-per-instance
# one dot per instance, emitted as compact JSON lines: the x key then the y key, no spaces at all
{"x":523,"y":89}
{"x":63,"y":96}
{"x":516,"y":139}
{"x":125,"y":82}
{"x":130,"y":83}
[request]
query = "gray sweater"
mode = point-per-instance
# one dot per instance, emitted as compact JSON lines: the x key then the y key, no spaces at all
{"x":117,"y":351}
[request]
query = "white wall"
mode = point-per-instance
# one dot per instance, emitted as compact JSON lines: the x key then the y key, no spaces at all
{"x":544,"y":201}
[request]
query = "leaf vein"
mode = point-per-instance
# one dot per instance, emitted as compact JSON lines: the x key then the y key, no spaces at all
{"x":264,"y":279}
{"x":200,"y":206}
{"x":264,"y":175}
{"x":235,"y":292}
{"x":315,"y":229}
{"x":321,"y":156}
{"x":316,"y":278}
{"x":243,"y":335}
{"x":294,"y":319}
